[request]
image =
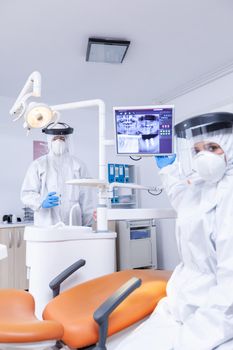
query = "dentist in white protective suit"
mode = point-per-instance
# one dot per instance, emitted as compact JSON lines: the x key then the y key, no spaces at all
{"x":44,"y":189}
{"x":197,"y":313}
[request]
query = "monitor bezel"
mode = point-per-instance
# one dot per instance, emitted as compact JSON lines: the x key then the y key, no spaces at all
{"x":143,"y":107}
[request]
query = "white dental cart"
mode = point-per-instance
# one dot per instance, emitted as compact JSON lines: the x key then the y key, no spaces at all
{"x":52,"y":249}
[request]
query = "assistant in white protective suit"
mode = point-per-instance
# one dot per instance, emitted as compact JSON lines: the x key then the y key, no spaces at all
{"x":44,"y":189}
{"x":197,"y":313}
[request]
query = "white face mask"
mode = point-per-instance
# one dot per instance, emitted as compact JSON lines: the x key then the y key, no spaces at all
{"x":58,"y":147}
{"x":210,"y":166}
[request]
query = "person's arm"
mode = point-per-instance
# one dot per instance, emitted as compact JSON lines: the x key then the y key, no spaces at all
{"x":170,"y":177}
{"x":30,"y":190}
{"x":212,"y":324}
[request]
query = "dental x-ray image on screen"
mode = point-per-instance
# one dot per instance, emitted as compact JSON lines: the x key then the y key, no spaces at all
{"x":144,"y":130}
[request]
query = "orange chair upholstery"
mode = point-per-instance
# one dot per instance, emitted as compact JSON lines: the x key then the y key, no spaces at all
{"x":18,"y":323}
{"x":74,"y":308}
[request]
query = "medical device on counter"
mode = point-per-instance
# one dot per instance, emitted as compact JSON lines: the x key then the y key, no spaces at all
{"x":144,"y":130}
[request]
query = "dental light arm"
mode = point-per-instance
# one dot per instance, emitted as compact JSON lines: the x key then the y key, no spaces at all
{"x":154,"y":191}
{"x":133,"y":185}
{"x":101,"y":182}
{"x":109,"y":187}
{"x":31,"y":88}
{"x":101,"y":107}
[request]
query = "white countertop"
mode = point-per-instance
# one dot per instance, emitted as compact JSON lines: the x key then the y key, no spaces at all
{"x":64,"y":233}
{"x":18,"y":224}
{"x":122,"y":214}
{"x":141,"y":214}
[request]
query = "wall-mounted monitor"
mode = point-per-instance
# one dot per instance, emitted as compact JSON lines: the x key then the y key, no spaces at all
{"x":144,"y":130}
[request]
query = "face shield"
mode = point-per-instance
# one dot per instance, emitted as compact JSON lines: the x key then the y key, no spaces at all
{"x":58,"y":138}
{"x":205,"y":146}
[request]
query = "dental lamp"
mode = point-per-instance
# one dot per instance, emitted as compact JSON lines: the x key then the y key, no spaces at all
{"x":38,"y":115}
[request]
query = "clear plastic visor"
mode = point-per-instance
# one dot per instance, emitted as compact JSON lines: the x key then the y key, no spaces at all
{"x":67,"y":139}
{"x":195,"y":141}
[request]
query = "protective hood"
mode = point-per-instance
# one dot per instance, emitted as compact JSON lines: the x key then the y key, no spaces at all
{"x":58,"y":129}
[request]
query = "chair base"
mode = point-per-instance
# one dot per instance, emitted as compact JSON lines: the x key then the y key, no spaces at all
{"x":45,"y":345}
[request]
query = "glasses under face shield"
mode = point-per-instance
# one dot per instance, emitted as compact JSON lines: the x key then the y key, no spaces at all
{"x":59,"y":137}
{"x":207,"y":133}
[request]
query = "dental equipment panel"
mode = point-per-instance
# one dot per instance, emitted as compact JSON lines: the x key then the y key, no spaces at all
{"x":144,"y":130}
{"x":136,"y":244}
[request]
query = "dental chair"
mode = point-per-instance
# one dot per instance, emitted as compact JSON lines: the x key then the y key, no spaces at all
{"x":19,"y":328}
{"x":83,"y":316}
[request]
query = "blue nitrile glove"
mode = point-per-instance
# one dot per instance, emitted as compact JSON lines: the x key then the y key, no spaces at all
{"x":50,"y":201}
{"x":163,"y":161}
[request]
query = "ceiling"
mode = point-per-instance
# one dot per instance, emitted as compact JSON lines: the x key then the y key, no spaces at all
{"x":172,"y":43}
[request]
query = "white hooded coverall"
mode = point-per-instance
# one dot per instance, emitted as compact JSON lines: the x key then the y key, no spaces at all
{"x":48,"y":174}
{"x":197,"y":313}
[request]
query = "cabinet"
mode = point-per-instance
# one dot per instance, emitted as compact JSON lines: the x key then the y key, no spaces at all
{"x":123,"y":197}
{"x":136,"y":244}
{"x":13,"y":269}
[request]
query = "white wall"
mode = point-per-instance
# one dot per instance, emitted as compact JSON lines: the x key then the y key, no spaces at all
{"x":217,"y":95}
{"x":15,"y":156}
